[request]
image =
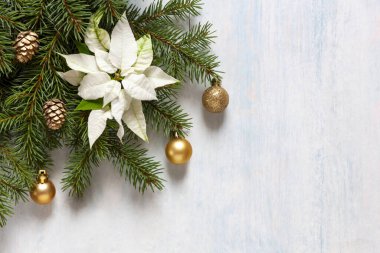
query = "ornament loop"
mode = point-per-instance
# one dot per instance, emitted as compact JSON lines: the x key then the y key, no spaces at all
{"x":216,"y":82}
{"x":42,"y":176}
{"x":42,"y":172}
{"x":174,"y":134}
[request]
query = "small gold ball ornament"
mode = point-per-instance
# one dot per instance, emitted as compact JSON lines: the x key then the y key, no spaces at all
{"x":215,"y":99}
{"x":178,"y":150}
{"x":43,"y":191}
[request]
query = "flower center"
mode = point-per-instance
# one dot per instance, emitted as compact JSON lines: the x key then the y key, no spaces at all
{"x":117,"y":76}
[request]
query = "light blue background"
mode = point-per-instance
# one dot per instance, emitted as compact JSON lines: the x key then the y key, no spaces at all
{"x":292,"y":166}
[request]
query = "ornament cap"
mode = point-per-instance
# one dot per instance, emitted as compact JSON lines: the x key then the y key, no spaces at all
{"x":174,"y":135}
{"x":42,"y":176}
{"x":216,"y":81}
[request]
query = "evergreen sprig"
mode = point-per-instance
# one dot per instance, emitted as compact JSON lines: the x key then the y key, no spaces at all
{"x":184,"y":52}
{"x":26,"y":142}
{"x":15,"y":179}
{"x":180,"y":9}
{"x":134,"y":164}
{"x":6,"y":57}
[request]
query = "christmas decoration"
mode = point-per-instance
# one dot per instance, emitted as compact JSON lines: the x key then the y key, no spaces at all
{"x":55,"y":113}
{"x":215,"y":99}
{"x":178,"y":150}
{"x":43,"y":191}
{"x":118,"y":67}
{"x":120,"y":73}
{"x":26,"y":46}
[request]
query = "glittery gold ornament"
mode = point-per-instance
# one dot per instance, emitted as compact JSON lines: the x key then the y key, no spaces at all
{"x":215,"y":99}
{"x":178,"y":150}
{"x":26,"y":46}
{"x":43,"y":191}
{"x":55,"y":113}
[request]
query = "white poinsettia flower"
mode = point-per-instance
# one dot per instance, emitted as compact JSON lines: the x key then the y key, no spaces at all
{"x":120,"y":73}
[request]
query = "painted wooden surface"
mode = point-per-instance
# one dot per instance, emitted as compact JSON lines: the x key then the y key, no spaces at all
{"x":293,"y":166}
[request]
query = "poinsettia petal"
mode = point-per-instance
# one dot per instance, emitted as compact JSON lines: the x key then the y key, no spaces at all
{"x":127,"y":71}
{"x":123,"y":50}
{"x":144,"y":54}
{"x":82,"y":62}
{"x":118,"y":107}
{"x":158,"y":77}
{"x":103,"y":62}
{"x":94,"y":86}
{"x":120,"y":132}
{"x":135,"y":119}
{"x":97,"y":38}
{"x":105,"y":90}
{"x":97,"y":122}
{"x":73,"y":77}
{"x":113,"y":91}
{"x":139,"y":87}
{"x":95,"y":79}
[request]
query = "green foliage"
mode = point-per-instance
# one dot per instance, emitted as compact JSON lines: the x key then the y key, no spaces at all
{"x":184,"y":52}
{"x":72,"y":20}
{"x":25,"y":141}
{"x":88,"y":105}
{"x":15,"y":178}
{"x":166,"y":115}
{"x":134,"y":164}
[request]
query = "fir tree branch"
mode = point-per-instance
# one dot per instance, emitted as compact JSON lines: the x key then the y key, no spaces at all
{"x":6,"y":207}
{"x":141,"y":171}
{"x":13,"y":4}
{"x":15,"y":179}
{"x":33,"y":146}
{"x":37,"y":84}
{"x":7,"y":122}
{"x":111,"y":9}
{"x":167,"y":116}
{"x":13,"y":190}
{"x":9,"y":17}
{"x":6,"y":54}
{"x":184,"y":54}
{"x":17,"y":166}
{"x":10,"y":194}
{"x":34,"y":11}
{"x":73,"y":20}
{"x":179,"y":8}
{"x":82,"y":159}
{"x":78,"y":173}
{"x":200,"y":66}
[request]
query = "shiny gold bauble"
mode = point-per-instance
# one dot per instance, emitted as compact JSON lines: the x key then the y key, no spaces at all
{"x":178,"y":150}
{"x":215,"y":99}
{"x":43,"y":191}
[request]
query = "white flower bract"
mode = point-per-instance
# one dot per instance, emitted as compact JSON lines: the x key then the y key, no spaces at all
{"x":120,"y":73}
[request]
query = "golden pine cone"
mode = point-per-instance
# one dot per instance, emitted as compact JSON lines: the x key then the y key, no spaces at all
{"x":26,"y":46}
{"x":55,"y":113}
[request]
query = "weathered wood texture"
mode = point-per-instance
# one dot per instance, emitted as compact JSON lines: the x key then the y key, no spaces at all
{"x":293,"y":166}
